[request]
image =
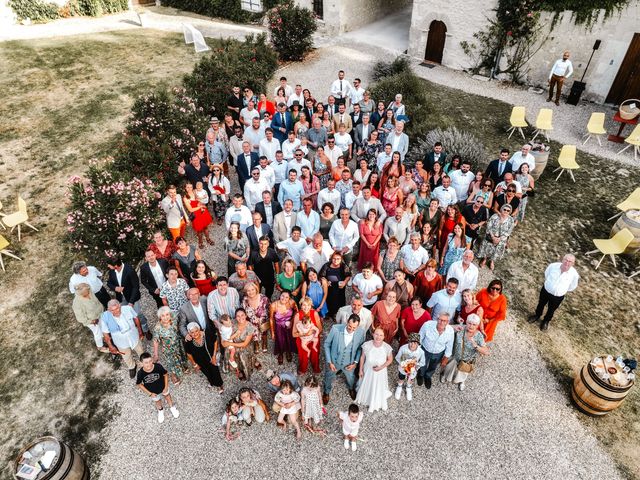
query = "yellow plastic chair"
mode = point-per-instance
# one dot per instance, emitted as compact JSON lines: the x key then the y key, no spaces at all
{"x":544,"y":123}
{"x":595,"y":127}
{"x":567,"y":161}
{"x":3,"y":251}
{"x":612,"y":246}
{"x":518,"y":122}
{"x":632,"y":202}
{"x":18,"y":218}
{"x":634,"y":141}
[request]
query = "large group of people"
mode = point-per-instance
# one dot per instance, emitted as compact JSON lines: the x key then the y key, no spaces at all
{"x":338,"y":254}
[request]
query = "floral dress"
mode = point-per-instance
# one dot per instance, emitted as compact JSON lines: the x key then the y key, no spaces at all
{"x":322,"y":172}
{"x":389,"y":266}
{"x":502,"y":230}
{"x":244,"y":357}
{"x":237,"y":246}
{"x":371,"y":152}
{"x":176,"y":295}
{"x":523,"y":180}
{"x":453,"y":253}
{"x":175,"y":360}
{"x":259,"y":316}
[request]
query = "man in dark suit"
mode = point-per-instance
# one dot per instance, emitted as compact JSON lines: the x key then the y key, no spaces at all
{"x":356,"y":116}
{"x":245,"y":163}
{"x":362,"y":132}
{"x":309,"y":109}
{"x":436,"y":155}
{"x":124,"y":281}
{"x":498,"y":167}
{"x":153,"y":274}
{"x":257,"y":231}
{"x":195,"y":310}
{"x":281,"y":123}
{"x":268,"y":208}
{"x":331,"y":106}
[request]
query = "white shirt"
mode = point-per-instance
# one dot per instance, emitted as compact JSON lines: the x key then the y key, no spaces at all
{"x":366,"y":319}
{"x":414,"y":259}
{"x":93,"y":278}
{"x":312,"y":258}
{"x":128,"y":336}
{"x":382,"y":160}
{"x":341,"y":237}
{"x":253,"y":191}
{"x":442,"y":302}
{"x":280,"y":170}
{"x":502,"y":186}
{"x":254,"y":136}
{"x":433,"y":341}
{"x":460,"y":182}
{"x":158,"y":276}
{"x":247,"y":115}
{"x":468,"y":278}
{"x":343,"y":140}
{"x":348,"y":337}
{"x":199,"y":311}
{"x":289,"y":148}
{"x":367,"y":286}
{"x":562,"y":68}
{"x":332,"y":197}
{"x":241,"y":215}
{"x":350,"y":199}
{"x":446,"y":196}
{"x":269,"y":148}
{"x":341,"y":88}
{"x":557,"y":282}
{"x":333,"y":154}
{"x":293,"y":97}
{"x":297,"y":165}
{"x":268,"y":174}
{"x":517,"y":159}
{"x":119,"y":275}
{"x":356,"y":95}
{"x":294,"y":249}
{"x":288,"y":91}
{"x":268,"y":212}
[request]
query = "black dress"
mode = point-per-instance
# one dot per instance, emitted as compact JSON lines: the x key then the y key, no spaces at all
{"x":336,"y":297}
{"x":202,"y":356}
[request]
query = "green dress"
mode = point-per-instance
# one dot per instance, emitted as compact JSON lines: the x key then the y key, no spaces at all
{"x":175,"y":360}
{"x":290,"y":284}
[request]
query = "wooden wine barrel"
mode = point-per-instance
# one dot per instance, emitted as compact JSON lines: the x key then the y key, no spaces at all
{"x":594,"y":396}
{"x":67,"y":465}
{"x":634,"y":227}
{"x":541,"y":162}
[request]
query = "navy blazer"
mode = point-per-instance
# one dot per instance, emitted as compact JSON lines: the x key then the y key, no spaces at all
{"x":275,"y":209}
{"x":429,"y":160}
{"x":130,"y":282}
{"x":241,"y":168}
{"x":253,"y":238}
{"x":492,"y":171}
{"x":147,"y":278}
{"x":276,"y":124}
{"x":334,"y":345}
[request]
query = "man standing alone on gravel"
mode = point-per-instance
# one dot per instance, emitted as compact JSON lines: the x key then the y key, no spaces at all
{"x":560,"y":71}
{"x":559,"y":279}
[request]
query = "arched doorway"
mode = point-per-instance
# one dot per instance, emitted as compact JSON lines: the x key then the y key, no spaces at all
{"x":435,"y":41}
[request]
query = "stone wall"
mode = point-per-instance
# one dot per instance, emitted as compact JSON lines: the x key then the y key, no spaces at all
{"x":342,"y":16}
{"x":465,"y":17}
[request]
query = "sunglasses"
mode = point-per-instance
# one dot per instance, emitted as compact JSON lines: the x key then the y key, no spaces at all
{"x":201,"y":144}
{"x":487,"y":185}
{"x":511,"y":190}
{"x":495,"y":289}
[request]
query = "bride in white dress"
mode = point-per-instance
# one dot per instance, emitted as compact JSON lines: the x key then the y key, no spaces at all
{"x":374,"y":383}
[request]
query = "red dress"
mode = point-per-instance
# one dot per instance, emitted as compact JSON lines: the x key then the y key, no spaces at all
{"x":314,"y":356}
{"x":464,"y":314}
{"x":387,"y":321}
{"x":425,"y":288}
{"x":447,"y":228}
{"x":369,"y":234}
{"x":495,"y":310}
{"x":205,"y":285}
{"x":168,"y":251}
{"x":411,"y":323}
{"x":202,"y":217}
{"x":390,"y":201}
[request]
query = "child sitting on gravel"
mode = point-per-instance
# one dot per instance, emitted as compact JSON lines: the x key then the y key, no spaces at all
{"x":351,"y":420}
{"x":232,"y":415}
{"x":289,"y":402}
{"x":410,"y":358}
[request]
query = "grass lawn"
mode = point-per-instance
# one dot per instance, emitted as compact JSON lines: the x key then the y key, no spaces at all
{"x":601,"y":315}
{"x":65,"y":100}
{"x":64,"y":103}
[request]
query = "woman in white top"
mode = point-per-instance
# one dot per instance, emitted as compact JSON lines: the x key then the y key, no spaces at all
{"x":374,"y":387}
{"x":362,"y":174}
{"x":220,"y":189}
{"x":344,"y":141}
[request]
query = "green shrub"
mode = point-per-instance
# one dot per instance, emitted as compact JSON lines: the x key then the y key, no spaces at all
{"x":382,"y":70}
{"x":291,"y":30}
{"x":229,"y":9}
{"x":414,"y":96}
{"x":454,"y":142}
{"x":251,"y":63}
{"x":37,"y":11}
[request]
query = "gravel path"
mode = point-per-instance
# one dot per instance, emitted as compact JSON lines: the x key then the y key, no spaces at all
{"x":513,"y":421}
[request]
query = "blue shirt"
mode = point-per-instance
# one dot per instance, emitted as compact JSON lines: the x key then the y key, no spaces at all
{"x":293,"y":191}
{"x":442,"y":302}
{"x":309,"y":225}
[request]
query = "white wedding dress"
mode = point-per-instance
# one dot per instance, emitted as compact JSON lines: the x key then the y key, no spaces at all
{"x":374,"y":387}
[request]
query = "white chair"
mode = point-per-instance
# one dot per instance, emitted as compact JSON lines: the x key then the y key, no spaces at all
{"x":192,"y":35}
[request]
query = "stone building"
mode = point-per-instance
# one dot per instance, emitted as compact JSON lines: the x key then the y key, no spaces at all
{"x":439,"y":26}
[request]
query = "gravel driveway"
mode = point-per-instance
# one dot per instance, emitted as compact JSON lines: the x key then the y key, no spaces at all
{"x":512,"y":421}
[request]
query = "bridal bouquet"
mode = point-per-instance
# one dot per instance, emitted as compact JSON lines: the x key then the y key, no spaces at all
{"x":408,"y":367}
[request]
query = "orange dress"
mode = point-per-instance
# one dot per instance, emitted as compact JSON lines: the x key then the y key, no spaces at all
{"x":386,"y":321}
{"x":495,"y":310}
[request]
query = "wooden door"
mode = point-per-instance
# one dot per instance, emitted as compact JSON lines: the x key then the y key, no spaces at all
{"x":435,"y":41}
{"x":627,"y":82}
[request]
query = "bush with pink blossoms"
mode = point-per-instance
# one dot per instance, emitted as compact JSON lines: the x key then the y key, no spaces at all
{"x":111,"y":215}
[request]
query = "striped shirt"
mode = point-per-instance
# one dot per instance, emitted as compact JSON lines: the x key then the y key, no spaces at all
{"x":218,"y":305}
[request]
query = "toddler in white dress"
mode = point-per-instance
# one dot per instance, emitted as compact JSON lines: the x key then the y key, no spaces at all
{"x":309,"y":333}
{"x":226,"y":334}
{"x":289,"y":402}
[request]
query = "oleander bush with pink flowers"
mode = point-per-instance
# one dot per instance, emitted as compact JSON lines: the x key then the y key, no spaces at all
{"x":292,"y":28}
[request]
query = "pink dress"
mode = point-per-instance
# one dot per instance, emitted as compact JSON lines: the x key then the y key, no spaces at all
{"x":369,"y":234}
{"x":390,"y":201}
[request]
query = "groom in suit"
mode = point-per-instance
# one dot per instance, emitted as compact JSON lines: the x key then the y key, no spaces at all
{"x":342,"y":353}
{"x":245,"y":162}
{"x":281,"y":123}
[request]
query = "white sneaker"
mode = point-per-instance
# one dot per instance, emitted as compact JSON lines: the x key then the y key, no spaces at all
{"x":443,"y":379}
{"x":398,"y":393}
{"x":160,"y":416}
{"x":409,"y":394}
{"x":346,"y":444}
{"x":461,"y":386}
{"x":233,"y":364}
{"x":174,"y":412}
{"x":354,"y":446}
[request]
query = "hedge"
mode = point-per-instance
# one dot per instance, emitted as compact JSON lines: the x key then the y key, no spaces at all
{"x":229,"y":9}
{"x":40,"y":11}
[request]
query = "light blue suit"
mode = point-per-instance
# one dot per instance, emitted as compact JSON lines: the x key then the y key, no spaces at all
{"x":341,"y":356}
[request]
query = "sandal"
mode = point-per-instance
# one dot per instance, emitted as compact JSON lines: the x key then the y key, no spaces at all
{"x":210,"y":242}
{"x":201,"y":245}
{"x":257,"y":366}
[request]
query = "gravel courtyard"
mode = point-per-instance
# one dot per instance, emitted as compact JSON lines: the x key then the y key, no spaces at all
{"x":512,"y":421}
